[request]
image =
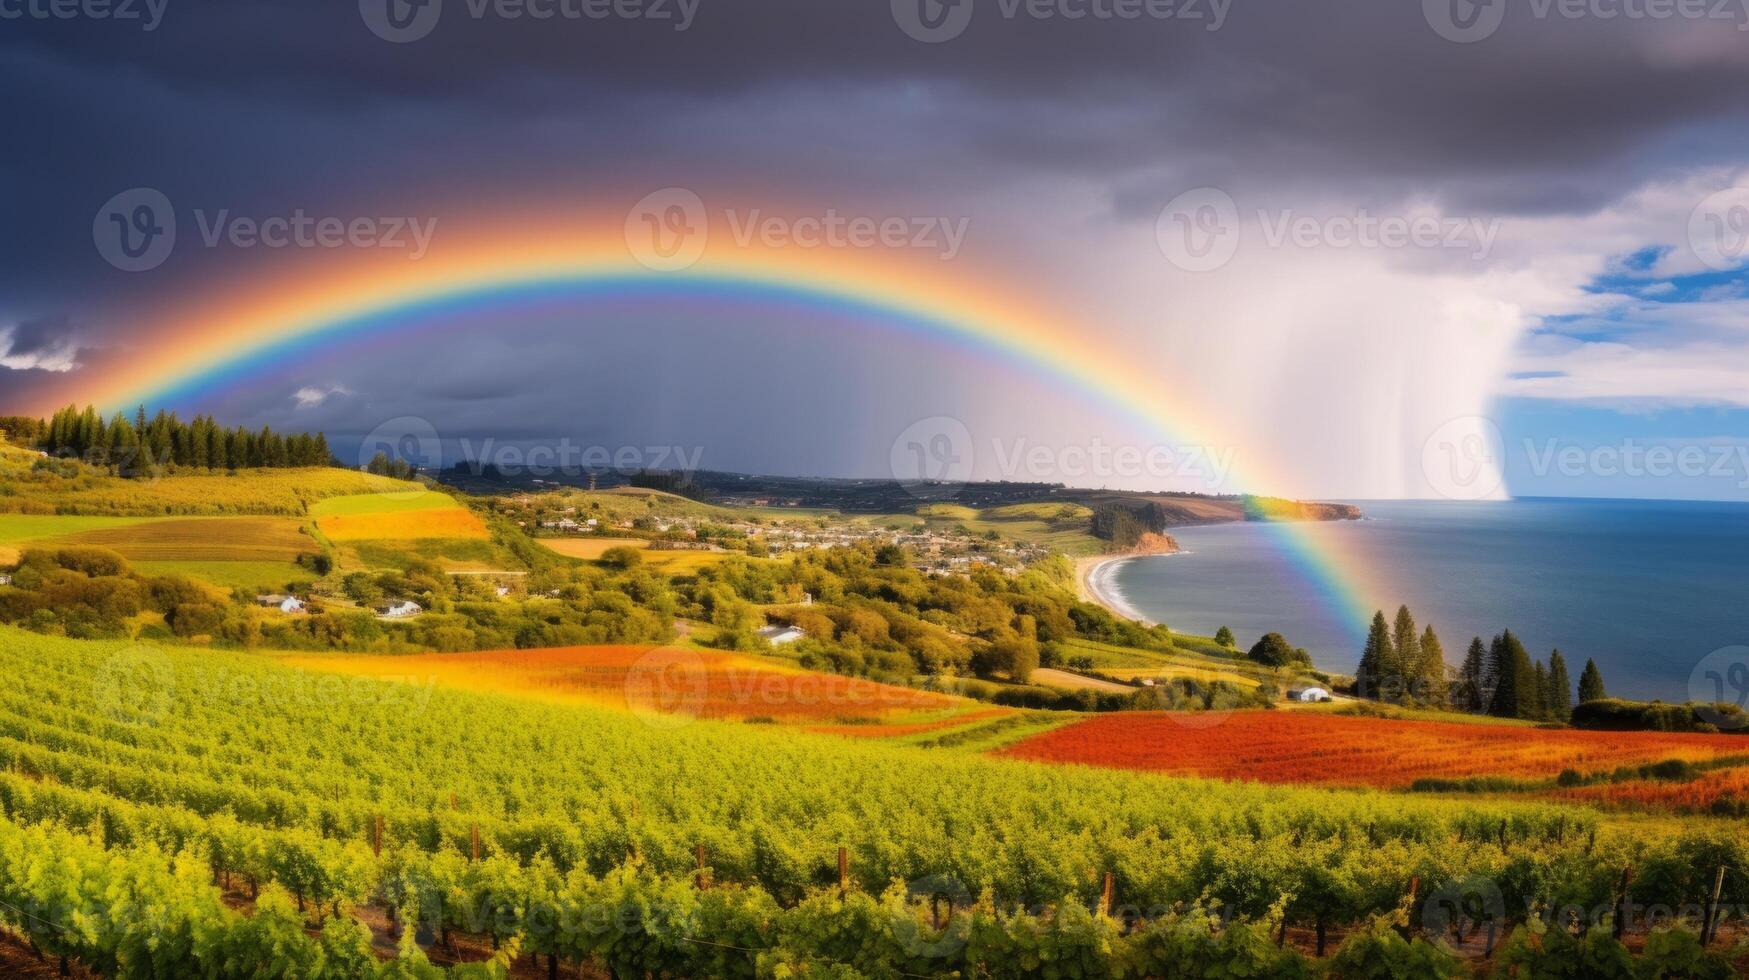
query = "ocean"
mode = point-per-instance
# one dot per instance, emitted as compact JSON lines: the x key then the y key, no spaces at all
{"x":1646,"y":588}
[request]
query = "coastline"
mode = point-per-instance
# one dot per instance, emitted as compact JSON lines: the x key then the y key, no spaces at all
{"x":1093,"y":583}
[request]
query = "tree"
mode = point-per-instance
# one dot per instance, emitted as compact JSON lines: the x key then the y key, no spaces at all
{"x":1407,"y":643}
{"x":1273,"y":650}
{"x":1435,"y":675}
{"x":1559,"y":698}
{"x":1514,"y":678}
{"x":1224,"y":637}
{"x":1377,"y":661}
{"x":1537,"y":701}
{"x":622,"y":557}
{"x":1591,"y":683}
{"x":1473,"y":694}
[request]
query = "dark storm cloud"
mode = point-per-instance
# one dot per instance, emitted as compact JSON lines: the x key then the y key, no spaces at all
{"x":264,"y":106}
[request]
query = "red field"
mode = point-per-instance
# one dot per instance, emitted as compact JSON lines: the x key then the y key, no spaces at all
{"x":676,"y":681}
{"x":1305,"y":747}
{"x":1724,"y":786}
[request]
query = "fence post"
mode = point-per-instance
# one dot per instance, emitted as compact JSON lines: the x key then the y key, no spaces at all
{"x":376,"y":836}
{"x":1622,"y":907}
{"x":698,"y":855}
{"x":1107,"y":894}
{"x":843,"y":869}
{"x":474,"y":842}
{"x":1710,"y":926}
{"x":1414,"y":888}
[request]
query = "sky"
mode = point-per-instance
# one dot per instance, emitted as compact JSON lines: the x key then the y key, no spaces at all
{"x":1364,"y":248}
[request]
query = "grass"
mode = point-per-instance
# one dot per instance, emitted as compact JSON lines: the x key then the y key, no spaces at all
{"x":17,"y":528}
{"x":253,"y":576}
{"x":288,"y":492}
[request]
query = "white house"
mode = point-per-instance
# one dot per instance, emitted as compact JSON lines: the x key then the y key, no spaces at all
{"x":501,"y":591}
{"x":5,"y":578}
{"x":400,"y":609}
{"x":1308,"y":694}
{"x":779,"y":635}
{"x":283,"y":603}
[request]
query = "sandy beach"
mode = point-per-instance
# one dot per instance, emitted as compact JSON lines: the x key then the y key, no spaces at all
{"x":1093,"y":582}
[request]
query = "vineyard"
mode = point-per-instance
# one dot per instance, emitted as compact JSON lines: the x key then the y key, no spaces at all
{"x":1308,"y":747}
{"x":672,"y":681}
{"x":179,"y":813}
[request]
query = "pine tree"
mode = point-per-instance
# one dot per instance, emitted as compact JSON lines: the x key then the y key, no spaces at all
{"x":1537,"y":703}
{"x":1377,"y":661}
{"x":1514,"y":678}
{"x":1435,"y":675}
{"x":1473,"y":693}
{"x":1559,"y":699}
{"x":1407,"y":644}
{"x":1591,"y":683}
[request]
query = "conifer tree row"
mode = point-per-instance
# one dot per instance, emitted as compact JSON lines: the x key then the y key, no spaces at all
{"x":141,"y":443}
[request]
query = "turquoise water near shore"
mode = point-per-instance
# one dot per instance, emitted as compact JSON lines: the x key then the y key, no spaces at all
{"x":1647,"y":588}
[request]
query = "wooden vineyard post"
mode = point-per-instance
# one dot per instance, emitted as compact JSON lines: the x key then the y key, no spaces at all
{"x":473,"y":842}
{"x":376,"y":836}
{"x":1710,"y":925}
{"x":1622,"y":906}
{"x":1414,"y":889}
{"x":452,"y":805}
{"x":1107,"y":894}
{"x":843,"y":870}
{"x":699,"y":855}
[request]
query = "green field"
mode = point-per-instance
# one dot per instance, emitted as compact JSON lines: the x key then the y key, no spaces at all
{"x":382,"y":503}
{"x":189,"y":772}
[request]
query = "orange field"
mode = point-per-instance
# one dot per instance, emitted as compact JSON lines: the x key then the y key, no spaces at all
{"x":1303,"y":747}
{"x":660,"y":680}
{"x":407,"y":525}
{"x":912,"y":728}
{"x":1720,"y":788}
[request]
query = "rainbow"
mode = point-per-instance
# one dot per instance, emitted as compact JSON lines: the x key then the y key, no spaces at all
{"x":254,"y":328}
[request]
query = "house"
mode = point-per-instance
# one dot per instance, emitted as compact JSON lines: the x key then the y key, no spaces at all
{"x":283,"y":603}
{"x":501,"y":591}
{"x":400,"y":609}
{"x":779,"y":635}
{"x":1309,"y":694}
{"x":5,"y":578}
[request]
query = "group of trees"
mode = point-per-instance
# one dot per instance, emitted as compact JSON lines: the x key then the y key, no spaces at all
{"x":1403,"y":665}
{"x":136,"y":445}
{"x":1502,"y":680}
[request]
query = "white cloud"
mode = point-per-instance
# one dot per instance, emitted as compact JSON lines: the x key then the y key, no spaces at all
{"x":313,"y":395}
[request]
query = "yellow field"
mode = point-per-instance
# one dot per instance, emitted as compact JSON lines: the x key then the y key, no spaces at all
{"x":1168,"y":673}
{"x":278,"y":491}
{"x":407,"y":525}
{"x":678,"y":561}
{"x":202,"y":539}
